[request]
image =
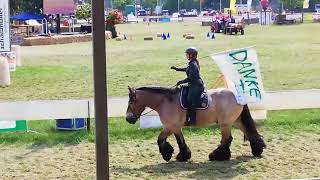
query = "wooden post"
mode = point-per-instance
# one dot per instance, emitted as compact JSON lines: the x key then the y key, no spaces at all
{"x":100,"y":89}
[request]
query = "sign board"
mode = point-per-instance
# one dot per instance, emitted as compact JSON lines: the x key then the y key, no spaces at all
{"x":5,"y":45}
{"x":9,"y":126}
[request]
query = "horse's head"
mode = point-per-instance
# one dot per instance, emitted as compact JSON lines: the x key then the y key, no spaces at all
{"x":135,"y":107}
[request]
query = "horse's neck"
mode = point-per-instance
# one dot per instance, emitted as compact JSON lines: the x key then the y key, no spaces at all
{"x":151,"y":100}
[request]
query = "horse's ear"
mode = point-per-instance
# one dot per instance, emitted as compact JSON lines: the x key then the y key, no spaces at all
{"x":129,"y":88}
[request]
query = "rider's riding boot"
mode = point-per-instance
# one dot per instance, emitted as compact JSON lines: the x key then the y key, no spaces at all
{"x":191,"y":117}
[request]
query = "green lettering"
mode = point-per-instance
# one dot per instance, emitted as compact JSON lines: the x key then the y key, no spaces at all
{"x":249,"y":71}
{"x":242,"y":85}
{"x":244,"y":65}
{"x":256,"y":92}
{"x":236,"y":55}
{"x":252,"y":82}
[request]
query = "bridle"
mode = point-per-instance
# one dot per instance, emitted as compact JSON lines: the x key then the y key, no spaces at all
{"x":133,"y":101}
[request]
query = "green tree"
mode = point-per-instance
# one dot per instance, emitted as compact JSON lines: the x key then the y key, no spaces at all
{"x":17,"y":6}
{"x":84,"y":12}
{"x":171,"y":5}
{"x":120,"y":4}
{"x":292,"y":4}
{"x":149,"y":3}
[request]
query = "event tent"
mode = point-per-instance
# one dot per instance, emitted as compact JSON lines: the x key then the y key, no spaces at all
{"x":27,"y":16}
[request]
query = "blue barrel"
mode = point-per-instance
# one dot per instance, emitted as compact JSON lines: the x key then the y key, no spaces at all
{"x":165,"y":19}
{"x":71,"y":124}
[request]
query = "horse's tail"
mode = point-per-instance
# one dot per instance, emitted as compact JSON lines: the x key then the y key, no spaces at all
{"x":256,"y":142}
{"x":248,"y":122}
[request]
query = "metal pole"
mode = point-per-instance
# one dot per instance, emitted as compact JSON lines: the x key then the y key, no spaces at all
{"x":302,"y":15}
{"x":220,"y":5}
{"x":157,"y":7}
{"x":100,"y":90}
{"x":135,"y":8}
{"x":200,"y":5}
{"x":178,"y":5}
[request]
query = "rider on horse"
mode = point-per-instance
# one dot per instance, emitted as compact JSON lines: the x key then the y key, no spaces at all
{"x":195,"y":83}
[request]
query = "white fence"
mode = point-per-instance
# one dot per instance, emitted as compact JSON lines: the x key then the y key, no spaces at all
{"x":64,"y":109}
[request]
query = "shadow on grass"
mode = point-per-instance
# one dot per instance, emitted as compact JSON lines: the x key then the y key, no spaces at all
{"x":200,"y":170}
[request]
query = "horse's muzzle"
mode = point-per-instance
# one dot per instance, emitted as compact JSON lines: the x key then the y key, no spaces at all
{"x":131,"y":120}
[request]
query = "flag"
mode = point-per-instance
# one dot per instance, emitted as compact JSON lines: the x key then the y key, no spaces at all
{"x":306,"y":4}
{"x":242,"y":73}
{"x":233,"y":6}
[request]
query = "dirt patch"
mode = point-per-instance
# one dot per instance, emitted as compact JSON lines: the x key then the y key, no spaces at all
{"x":286,"y":156}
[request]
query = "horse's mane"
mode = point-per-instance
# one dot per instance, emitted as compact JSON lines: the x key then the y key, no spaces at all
{"x":160,"y":90}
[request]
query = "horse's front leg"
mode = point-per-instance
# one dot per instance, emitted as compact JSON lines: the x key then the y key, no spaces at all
{"x":185,"y":153}
{"x":165,"y":148}
{"x":223,"y":152}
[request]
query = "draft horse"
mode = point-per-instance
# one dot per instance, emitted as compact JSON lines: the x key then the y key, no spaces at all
{"x":223,"y":109}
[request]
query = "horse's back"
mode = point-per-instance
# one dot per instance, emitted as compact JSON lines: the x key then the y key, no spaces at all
{"x":221,"y":95}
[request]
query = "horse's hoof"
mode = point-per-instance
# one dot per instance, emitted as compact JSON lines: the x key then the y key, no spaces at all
{"x":257,"y":147}
{"x":220,"y":154}
{"x":184,"y":156}
{"x":166,"y":151}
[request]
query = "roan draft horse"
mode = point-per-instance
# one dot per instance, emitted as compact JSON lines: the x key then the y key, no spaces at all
{"x":223,"y":109}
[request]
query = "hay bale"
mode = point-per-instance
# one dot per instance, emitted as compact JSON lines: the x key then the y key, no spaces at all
{"x":190,"y":37}
{"x":186,"y":34}
{"x":148,"y":38}
{"x":108,"y":34}
{"x":119,"y":38}
{"x":159,"y":34}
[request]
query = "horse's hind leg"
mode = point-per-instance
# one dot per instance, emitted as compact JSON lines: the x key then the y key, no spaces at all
{"x":223,"y":151}
{"x":185,"y":153}
{"x":165,"y":148}
{"x":249,"y":128}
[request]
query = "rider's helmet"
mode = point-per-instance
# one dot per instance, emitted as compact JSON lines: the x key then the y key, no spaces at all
{"x":192,"y":51}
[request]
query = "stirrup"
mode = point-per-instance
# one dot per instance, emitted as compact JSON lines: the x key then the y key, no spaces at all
{"x":189,"y":121}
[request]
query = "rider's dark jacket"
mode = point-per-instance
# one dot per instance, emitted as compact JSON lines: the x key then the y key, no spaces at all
{"x":196,"y":86}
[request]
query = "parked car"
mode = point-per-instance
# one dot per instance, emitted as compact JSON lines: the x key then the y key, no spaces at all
{"x":194,"y":11}
{"x":182,"y":12}
{"x":148,"y":11}
{"x":175,"y":15}
{"x":165,"y":12}
{"x":204,"y":13}
{"x":142,"y":12}
{"x":212,"y":13}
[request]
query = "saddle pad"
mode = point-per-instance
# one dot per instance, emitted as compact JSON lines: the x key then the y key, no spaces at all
{"x":203,"y":102}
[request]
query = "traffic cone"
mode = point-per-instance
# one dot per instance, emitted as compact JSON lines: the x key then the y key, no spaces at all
{"x":168,"y":36}
{"x":212,"y":37}
{"x":164,"y":36}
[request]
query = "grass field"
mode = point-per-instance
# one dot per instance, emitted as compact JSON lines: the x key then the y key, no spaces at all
{"x":292,"y":139}
{"x":289,"y":58}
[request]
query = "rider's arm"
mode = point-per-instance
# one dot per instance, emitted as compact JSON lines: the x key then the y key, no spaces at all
{"x":181,"y":69}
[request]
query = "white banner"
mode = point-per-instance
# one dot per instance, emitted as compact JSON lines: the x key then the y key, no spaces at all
{"x":242,"y":73}
{"x":4,"y":26}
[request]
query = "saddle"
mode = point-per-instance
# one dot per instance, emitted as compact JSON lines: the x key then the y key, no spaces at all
{"x":203,"y":102}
